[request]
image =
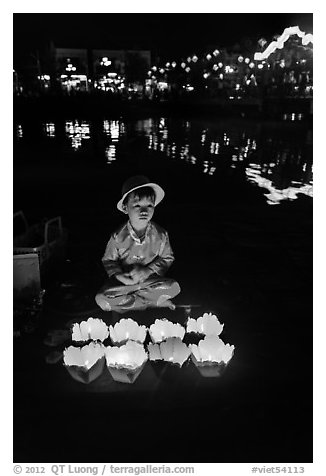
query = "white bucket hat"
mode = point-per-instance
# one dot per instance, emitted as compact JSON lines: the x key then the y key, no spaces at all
{"x":138,"y":181}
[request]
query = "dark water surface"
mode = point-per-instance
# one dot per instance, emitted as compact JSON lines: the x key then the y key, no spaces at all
{"x":238,"y":209}
{"x":276,"y":157}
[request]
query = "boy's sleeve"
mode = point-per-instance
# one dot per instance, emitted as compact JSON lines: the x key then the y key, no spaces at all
{"x":163,"y":261}
{"x":110,"y":259}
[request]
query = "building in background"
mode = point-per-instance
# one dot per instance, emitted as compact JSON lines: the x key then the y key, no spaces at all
{"x":280,"y":68}
{"x":71,"y":67}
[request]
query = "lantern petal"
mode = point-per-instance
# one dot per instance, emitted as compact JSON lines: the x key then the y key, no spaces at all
{"x":128,"y":329}
{"x":163,"y":329}
{"x":94,"y":329}
{"x":154,"y":351}
{"x":131,"y":355}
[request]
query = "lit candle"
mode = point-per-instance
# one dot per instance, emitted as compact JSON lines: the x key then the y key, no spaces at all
{"x":84,"y":364}
{"x":163,"y":329}
{"x":92,"y":329}
{"x":126,"y":362}
{"x":174,"y":350}
{"x":127,"y":329}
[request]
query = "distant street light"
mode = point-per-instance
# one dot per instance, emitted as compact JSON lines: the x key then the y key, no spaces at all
{"x":105,"y":61}
{"x":70,"y":67}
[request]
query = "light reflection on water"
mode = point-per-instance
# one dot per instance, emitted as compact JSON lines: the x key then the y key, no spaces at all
{"x":49,"y":128}
{"x":19,"y":130}
{"x":279,"y":165}
{"x":110,"y":154}
{"x":276,"y":195}
{"x":77,"y":131}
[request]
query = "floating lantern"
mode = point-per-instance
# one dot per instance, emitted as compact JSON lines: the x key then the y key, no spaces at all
{"x":127,"y":329}
{"x":84,"y":364}
{"x":211,"y":356}
{"x":207,"y":324}
{"x":162,"y":329}
{"x":125,"y":363}
{"x":94,"y":329}
{"x":172,"y":350}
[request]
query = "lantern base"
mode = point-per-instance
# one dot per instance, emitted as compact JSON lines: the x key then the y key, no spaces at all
{"x":125,"y":375}
{"x":84,"y":375}
{"x":209,"y":369}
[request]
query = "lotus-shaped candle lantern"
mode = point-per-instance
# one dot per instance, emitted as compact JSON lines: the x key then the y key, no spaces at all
{"x":126,"y":362}
{"x":207,"y":324}
{"x":162,"y":329}
{"x":211,"y":355}
{"x":86,"y":363}
{"x":127,"y":329}
{"x":94,"y":329}
{"x":171,"y":350}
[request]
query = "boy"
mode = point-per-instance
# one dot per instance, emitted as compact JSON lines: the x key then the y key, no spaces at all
{"x":138,"y":254}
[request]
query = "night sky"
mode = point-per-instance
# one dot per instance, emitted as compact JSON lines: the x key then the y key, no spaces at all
{"x":164,"y":33}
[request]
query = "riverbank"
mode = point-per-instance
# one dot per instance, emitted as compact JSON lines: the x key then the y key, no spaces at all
{"x":90,"y":106}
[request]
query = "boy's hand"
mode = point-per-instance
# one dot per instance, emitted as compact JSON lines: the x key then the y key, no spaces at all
{"x":140,"y":273}
{"x":126,"y":278}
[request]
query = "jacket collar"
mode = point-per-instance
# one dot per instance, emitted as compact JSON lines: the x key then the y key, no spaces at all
{"x":134,"y":235}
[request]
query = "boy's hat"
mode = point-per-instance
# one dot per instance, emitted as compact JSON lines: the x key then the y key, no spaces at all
{"x":138,"y":181}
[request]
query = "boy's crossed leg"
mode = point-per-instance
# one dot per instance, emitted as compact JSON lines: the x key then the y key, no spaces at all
{"x":154,"y":292}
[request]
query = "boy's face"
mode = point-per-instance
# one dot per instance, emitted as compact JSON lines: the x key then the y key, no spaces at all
{"x":140,"y":211}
